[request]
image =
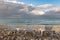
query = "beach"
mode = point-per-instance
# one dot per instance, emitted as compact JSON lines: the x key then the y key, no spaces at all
{"x":29,"y":32}
{"x":29,"y":20}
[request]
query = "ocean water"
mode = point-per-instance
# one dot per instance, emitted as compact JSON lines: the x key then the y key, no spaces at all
{"x":29,"y":21}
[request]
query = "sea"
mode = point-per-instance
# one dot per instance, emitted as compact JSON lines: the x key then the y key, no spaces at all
{"x":30,"y":21}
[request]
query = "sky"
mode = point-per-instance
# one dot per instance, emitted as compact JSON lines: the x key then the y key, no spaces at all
{"x":41,"y":2}
{"x":39,"y":9}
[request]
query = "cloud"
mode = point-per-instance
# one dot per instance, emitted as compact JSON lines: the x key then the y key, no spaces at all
{"x":22,"y":10}
{"x":56,"y":9}
{"x":45,"y":6}
{"x":37,"y":12}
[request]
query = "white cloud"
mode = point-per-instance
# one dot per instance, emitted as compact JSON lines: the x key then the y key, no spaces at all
{"x":56,"y":9}
{"x":37,"y":12}
{"x":45,"y":6}
{"x":14,"y":1}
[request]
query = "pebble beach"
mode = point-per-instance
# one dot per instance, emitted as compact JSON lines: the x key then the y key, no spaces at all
{"x":29,"y":32}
